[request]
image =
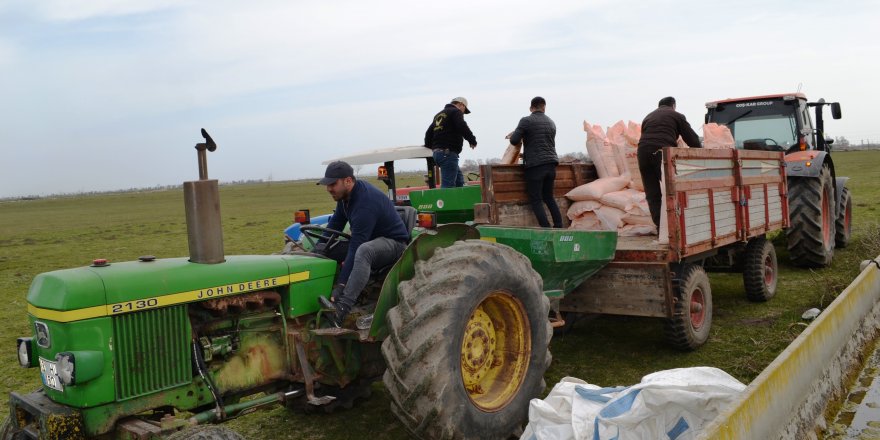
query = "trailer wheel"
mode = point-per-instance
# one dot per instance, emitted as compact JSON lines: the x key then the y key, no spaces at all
{"x":760,"y":273}
{"x":811,"y":205}
{"x":206,"y":432}
{"x":843,"y":229}
{"x":468,"y":343}
{"x":689,"y":326}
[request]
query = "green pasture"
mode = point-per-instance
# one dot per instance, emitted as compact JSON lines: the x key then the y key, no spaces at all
{"x":54,"y":233}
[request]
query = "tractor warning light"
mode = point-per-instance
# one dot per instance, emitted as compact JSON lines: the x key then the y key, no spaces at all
{"x":427,"y":220}
{"x":302,"y":217}
{"x":382,"y":173}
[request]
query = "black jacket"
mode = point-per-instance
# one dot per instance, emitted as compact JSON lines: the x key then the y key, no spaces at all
{"x":539,"y":133}
{"x":370,"y":215}
{"x":662,"y":127}
{"x":448,"y":129}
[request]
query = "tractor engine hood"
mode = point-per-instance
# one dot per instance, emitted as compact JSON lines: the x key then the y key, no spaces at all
{"x":117,"y":288}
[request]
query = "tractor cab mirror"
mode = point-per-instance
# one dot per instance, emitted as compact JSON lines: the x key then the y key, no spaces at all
{"x":835,"y":110}
{"x":829,"y":141}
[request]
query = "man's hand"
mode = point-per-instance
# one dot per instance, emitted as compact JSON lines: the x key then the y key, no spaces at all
{"x":473,"y":146}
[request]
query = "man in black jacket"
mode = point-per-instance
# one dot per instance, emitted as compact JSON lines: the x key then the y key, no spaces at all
{"x":378,"y":235}
{"x":539,"y":160}
{"x":661,"y":128}
{"x":444,"y":136}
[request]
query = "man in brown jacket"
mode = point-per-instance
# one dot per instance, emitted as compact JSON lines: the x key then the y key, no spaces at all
{"x":661,"y":128}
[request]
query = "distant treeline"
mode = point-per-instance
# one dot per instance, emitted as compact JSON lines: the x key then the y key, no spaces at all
{"x":467,"y":165}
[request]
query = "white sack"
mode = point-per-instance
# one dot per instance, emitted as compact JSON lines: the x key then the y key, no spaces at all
{"x":597,"y":188}
{"x":579,"y":208}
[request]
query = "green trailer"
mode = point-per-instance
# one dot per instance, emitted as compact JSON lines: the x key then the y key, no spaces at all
{"x":457,"y":329}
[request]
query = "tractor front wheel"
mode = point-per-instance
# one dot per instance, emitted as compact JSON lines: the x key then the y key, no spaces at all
{"x":468,"y":343}
{"x":843,"y":229}
{"x":8,"y":432}
{"x":811,"y":206}
{"x":691,"y":321}
{"x":206,"y":432}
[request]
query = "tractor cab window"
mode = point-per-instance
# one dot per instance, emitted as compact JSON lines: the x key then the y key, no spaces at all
{"x":772,"y":120}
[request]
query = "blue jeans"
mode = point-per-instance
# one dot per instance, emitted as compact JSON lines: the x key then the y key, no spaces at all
{"x":372,"y":255}
{"x":450,"y":173}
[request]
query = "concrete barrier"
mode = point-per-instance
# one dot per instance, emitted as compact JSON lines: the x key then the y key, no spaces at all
{"x":787,"y":400}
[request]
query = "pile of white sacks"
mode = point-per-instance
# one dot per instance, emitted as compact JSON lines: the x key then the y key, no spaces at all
{"x":616,"y":200}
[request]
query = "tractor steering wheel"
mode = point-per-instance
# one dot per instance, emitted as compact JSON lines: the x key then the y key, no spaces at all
{"x":314,"y":234}
{"x":771,"y":140}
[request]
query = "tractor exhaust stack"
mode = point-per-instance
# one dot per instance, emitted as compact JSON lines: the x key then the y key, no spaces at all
{"x":202,"y":201}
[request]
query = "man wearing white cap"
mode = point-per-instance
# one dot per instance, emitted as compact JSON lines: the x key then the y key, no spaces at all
{"x":445,"y":137}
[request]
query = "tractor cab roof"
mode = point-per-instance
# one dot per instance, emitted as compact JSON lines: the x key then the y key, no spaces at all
{"x":383,"y":155}
{"x":798,"y":95}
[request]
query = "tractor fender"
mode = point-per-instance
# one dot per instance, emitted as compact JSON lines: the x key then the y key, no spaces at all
{"x":807,"y":163}
{"x":421,"y":248}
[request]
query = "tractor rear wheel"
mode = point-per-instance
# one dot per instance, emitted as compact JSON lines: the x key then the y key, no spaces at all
{"x":843,"y":229}
{"x":811,"y":206}
{"x":468,"y":343}
{"x":691,"y":321}
{"x":761,"y":270}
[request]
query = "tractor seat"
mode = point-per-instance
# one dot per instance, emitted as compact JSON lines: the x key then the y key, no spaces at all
{"x":409,"y":215}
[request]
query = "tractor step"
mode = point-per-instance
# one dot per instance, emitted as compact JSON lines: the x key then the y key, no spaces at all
{"x":332,"y":331}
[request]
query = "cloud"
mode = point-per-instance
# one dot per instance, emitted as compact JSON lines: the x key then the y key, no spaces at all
{"x":77,"y":10}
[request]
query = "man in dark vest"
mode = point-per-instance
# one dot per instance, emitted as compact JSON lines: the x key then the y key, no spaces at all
{"x":661,"y":128}
{"x":538,"y":132}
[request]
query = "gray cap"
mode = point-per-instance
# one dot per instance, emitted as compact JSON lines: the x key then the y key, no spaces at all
{"x":335,"y":171}
{"x":462,"y":100}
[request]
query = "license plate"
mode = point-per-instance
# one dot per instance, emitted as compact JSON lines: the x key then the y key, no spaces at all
{"x":49,"y":371}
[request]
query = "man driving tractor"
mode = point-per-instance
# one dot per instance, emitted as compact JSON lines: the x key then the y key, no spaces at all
{"x":378,"y":235}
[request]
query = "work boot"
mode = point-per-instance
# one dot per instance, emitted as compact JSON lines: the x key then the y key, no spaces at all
{"x":336,"y":312}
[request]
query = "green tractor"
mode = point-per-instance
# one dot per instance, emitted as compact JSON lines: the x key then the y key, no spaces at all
{"x":457,"y":329}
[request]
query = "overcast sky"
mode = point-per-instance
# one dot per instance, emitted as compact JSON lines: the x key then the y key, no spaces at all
{"x":102,"y":94}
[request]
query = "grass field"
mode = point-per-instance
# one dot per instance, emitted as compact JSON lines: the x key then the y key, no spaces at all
{"x":47,"y":234}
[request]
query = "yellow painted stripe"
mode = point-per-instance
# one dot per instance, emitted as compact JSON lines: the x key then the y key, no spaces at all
{"x":489,"y":239}
{"x":205,"y":293}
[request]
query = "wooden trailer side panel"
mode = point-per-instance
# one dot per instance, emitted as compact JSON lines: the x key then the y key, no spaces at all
{"x":506,"y":203}
{"x":765,"y":199}
{"x":702,"y":200}
{"x":718,"y":197}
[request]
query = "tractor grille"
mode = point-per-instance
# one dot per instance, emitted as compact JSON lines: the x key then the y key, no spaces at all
{"x":152,"y":351}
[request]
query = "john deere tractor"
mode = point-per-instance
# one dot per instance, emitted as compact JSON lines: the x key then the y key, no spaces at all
{"x":457,"y":329}
{"x":819,"y":201}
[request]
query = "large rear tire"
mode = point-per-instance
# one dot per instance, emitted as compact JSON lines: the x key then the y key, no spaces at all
{"x":206,"y":432}
{"x":843,"y":228}
{"x":811,"y":206}
{"x":761,"y":271}
{"x":689,"y":326}
{"x":468,"y":343}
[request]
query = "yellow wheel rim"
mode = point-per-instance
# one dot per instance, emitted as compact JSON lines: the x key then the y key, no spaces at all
{"x":495,"y":351}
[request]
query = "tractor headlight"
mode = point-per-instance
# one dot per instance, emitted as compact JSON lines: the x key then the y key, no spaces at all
{"x":76,"y":367}
{"x":25,"y":352}
{"x":66,"y":368}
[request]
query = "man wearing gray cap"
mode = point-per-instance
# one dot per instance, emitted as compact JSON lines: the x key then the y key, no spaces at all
{"x":445,"y":137}
{"x":378,"y":235}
